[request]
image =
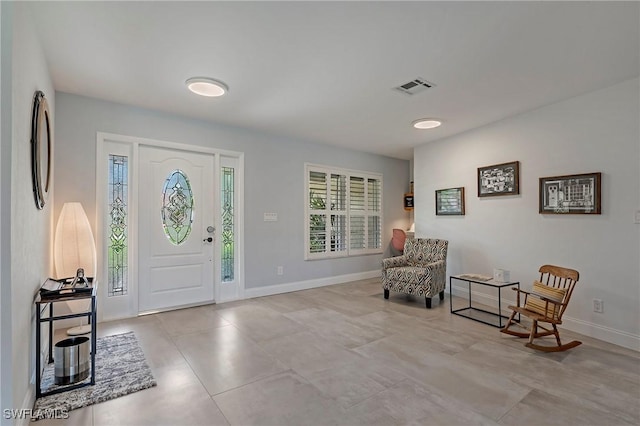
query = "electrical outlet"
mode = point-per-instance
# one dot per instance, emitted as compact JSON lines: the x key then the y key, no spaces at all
{"x":598,"y":306}
{"x":280,"y":270}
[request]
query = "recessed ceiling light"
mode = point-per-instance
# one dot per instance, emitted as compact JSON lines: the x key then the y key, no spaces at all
{"x":205,"y":86}
{"x":426,"y":123}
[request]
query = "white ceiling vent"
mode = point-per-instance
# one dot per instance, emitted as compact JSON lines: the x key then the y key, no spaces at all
{"x":414,"y":86}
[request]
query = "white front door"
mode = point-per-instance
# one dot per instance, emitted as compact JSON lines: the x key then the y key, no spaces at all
{"x":176,"y":220}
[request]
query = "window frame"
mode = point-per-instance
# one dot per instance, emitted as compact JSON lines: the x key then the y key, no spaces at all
{"x":347,"y":212}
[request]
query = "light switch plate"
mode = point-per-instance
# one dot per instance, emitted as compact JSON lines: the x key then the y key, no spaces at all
{"x":637,"y":216}
{"x":271,"y":217}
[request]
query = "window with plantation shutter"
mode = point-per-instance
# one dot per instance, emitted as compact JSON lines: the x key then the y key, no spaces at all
{"x":343,"y":212}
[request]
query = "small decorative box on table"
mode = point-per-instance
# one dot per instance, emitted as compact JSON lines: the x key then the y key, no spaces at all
{"x":52,"y":292}
{"x":477,"y":314}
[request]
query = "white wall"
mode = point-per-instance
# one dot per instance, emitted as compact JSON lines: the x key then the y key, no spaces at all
{"x":595,"y":132}
{"x":274,"y":181}
{"x":6,"y":12}
{"x":30,"y":227}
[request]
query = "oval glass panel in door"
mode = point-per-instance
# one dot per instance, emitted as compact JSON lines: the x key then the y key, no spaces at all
{"x":177,"y":207}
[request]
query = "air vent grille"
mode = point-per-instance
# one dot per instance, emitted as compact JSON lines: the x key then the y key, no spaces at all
{"x":414,"y":86}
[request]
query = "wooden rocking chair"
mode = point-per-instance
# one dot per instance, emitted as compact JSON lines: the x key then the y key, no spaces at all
{"x":545,"y":303}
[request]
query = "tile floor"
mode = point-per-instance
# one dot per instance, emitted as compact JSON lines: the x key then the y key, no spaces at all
{"x":342,"y":355}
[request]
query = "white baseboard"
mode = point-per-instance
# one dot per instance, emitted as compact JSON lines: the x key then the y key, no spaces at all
{"x":307,"y":284}
{"x":600,"y":332}
{"x":30,"y":396}
{"x":27,"y":404}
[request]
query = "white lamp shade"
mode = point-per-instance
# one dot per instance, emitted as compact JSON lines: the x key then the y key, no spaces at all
{"x":74,"y":245}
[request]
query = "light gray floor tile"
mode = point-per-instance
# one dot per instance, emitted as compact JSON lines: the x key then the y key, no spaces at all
{"x":337,"y":327}
{"x":540,"y":408}
{"x":157,"y":345}
{"x":260,"y":322}
{"x":287,"y":302}
{"x":224,"y":359}
{"x":352,"y":383}
{"x":306,"y":353}
{"x":428,"y":363}
{"x":392,"y":322}
{"x":358,"y":289}
{"x":562,"y":378}
{"x":185,"y":321}
{"x":279,"y":400}
{"x":409,"y":402}
{"x":178,"y":399}
{"x":345,"y":304}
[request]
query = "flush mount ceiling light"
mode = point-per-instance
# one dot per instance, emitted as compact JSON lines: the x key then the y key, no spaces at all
{"x":426,"y":123}
{"x":205,"y":86}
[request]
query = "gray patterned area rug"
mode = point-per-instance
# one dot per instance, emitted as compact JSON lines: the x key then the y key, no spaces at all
{"x":121,"y":369}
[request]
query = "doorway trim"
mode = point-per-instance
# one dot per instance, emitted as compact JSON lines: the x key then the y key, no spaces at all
{"x":126,"y":306}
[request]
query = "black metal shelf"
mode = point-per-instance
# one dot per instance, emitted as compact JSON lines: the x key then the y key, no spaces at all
{"x":41,"y":302}
{"x":468,"y":311}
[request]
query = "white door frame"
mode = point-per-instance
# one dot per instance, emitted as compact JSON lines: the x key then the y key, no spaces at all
{"x":116,"y":307}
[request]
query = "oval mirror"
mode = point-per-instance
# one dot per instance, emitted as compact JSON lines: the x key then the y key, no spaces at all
{"x":40,"y":149}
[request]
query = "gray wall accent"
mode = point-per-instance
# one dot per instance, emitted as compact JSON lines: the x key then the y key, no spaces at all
{"x":595,"y":132}
{"x":31,"y":229}
{"x":274,"y":180}
{"x":6,"y":40}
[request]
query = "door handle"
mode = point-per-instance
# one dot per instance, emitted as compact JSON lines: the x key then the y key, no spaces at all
{"x":208,"y":239}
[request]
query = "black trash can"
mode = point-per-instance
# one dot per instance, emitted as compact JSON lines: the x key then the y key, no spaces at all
{"x":71,"y":360}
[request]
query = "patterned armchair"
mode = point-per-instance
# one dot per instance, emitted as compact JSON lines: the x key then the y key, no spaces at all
{"x":421,"y":270}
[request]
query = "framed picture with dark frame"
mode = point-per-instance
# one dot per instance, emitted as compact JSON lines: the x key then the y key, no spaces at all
{"x":450,"y":202}
{"x":408,"y":201}
{"x":499,"y":179}
{"x":571,"y":194}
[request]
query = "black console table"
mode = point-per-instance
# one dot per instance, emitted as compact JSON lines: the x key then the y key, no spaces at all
{"x":468,"y":311}
{"x":91,"y":315}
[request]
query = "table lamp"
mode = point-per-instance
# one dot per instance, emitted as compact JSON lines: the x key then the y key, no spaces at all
{"x":74,"y":248}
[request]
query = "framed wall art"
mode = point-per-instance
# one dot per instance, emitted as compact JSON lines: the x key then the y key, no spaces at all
{"x":450,"y":202}
{"x":499,"y":179}
{"x":571,"y":194}
{"x":408,"y":201}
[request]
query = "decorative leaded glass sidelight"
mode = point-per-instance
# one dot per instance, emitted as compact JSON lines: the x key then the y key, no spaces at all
{"x":228,"y":249}
{"x":177,"y":207}
{"x":117,"y":262}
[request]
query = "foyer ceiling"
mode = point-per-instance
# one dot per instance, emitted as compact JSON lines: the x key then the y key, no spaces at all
{"x":325,"y":71}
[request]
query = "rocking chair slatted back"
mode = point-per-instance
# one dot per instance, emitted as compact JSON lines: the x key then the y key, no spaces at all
{"x":561,"y":278}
